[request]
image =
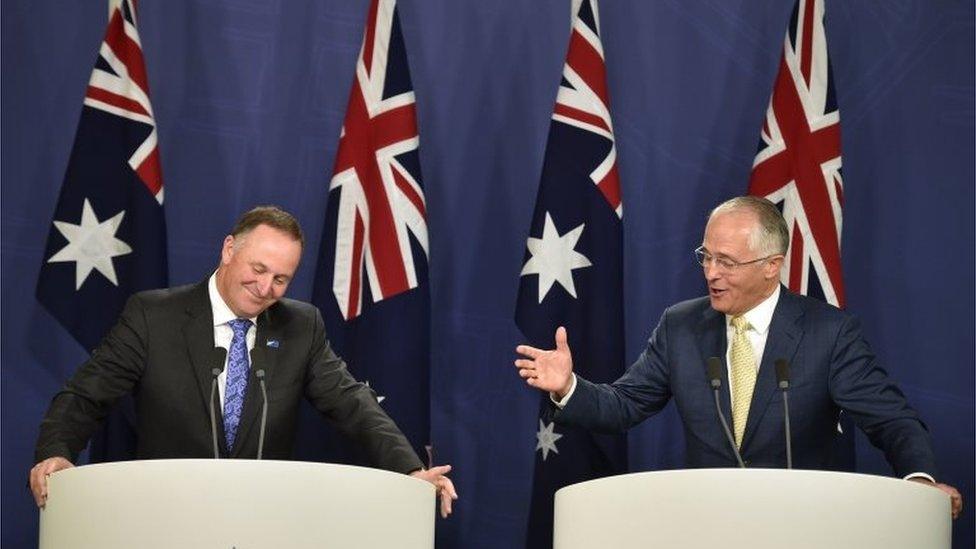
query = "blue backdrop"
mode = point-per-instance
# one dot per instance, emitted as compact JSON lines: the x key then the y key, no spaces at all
{"x":249,"y":96}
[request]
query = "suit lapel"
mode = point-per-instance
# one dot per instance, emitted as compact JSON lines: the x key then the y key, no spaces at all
{"x":198,"y":333}
{"x":263,"y":356}
{"x":712,"y":342}
{"x":781,"y":342}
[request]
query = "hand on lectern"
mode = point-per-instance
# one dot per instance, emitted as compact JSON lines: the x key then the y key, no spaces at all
{"x":444,"y":486}
{"x":548,"y":370}
{"x":955,"y":498}
{"x":39,"y":474}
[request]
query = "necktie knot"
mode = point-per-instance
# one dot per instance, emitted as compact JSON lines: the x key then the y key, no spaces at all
{"x":740,"y":324}
{"x":239,"y":326}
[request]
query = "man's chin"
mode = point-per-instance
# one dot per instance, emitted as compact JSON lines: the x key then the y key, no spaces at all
{"x":719,"y":304}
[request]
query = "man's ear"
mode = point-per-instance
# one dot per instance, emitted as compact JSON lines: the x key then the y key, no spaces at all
{"x":773,"y":267}
{"x":227,"y":251}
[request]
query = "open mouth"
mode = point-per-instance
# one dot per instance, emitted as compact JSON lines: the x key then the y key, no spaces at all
{"x":716,"y":292}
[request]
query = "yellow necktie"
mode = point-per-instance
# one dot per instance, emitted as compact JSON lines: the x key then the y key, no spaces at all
{"x":743,"y":377}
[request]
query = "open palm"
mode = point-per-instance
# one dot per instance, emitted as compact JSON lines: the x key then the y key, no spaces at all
{"x":547,"y":370}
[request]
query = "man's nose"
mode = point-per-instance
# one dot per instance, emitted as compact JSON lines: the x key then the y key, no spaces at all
{"x":711,"y":270}
{"x":265,"y":283}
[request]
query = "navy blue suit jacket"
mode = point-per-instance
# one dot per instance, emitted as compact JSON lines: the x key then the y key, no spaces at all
{"x":832,"y":369}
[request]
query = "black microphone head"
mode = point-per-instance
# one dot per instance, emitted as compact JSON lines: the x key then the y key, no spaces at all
{"x":219,"y":355}
{"x":782,"y":373}
{"x":218,"y":358}
{"x":714,"y":368}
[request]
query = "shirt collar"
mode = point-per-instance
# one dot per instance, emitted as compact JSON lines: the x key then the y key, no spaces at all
{"x":760,"y":316}
{"x":221,"y":312}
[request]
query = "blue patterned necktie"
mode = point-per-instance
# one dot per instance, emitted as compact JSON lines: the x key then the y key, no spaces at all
{"x":237,"y":374}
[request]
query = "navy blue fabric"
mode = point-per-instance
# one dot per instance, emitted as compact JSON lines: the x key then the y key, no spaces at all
{"x":249,"y":96}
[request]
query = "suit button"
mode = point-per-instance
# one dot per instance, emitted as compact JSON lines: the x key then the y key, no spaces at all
{"x":747,"y":462}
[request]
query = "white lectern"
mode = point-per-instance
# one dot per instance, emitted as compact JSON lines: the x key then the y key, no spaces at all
{"x":235,"y":503}
{"x":751,"y":509}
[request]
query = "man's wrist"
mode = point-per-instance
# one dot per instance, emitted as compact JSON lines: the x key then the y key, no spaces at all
{"x":561,"y":401}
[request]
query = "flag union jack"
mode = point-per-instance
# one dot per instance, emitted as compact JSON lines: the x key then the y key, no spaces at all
{"x":119,"y":86}
{"x":381,"y":200}
{"x":376,"y":223}
{"x":583,"y":100}
{"x":798,"y":165}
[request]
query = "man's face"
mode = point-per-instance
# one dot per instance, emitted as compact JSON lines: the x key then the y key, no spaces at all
{"x":738,"y":290}
{"x":256,"y":273}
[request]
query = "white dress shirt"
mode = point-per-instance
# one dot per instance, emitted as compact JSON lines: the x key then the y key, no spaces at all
{"x":223,"y":332}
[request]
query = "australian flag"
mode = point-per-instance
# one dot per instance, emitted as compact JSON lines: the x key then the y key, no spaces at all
{"x":371,"y":278}
{"x":573,"y":270}
{"x":108,"y":237}
{"x":798,"y":167}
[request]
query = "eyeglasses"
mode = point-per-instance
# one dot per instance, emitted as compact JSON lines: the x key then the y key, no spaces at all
{"x":724,"y":264}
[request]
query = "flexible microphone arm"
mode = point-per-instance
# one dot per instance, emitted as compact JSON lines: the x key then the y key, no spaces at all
{"x":783,"y":380}
{"x":264,"y":411}
{"x":714,"y":365}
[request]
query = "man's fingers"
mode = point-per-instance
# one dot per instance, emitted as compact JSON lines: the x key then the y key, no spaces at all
{"x":38,"y":483}
{"x":955,"y":498}
{"x":562,"y":343}
{"x":439,"y":470}
{"x":449,"y":488}
{"x":528,"y":351}
{"x":39,"y":474}
{"x":445,"y":490}
{"x":523,"y":364}
{"x":445,"y":506}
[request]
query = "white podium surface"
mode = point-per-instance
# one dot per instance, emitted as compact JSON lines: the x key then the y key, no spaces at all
{"x":243,"y":504}
{"x":751,"y":509}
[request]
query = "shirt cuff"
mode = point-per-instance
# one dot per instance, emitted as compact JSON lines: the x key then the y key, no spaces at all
{"x":926,"y":476}
{"x":565,"y":400}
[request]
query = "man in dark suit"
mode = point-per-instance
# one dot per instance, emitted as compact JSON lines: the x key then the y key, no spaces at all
{"x":168,"y":344}
{"x":751,"y":321}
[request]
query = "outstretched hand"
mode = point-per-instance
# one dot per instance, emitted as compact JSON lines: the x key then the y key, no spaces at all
{"x":547,"y":370}
{"x":445,"y":488}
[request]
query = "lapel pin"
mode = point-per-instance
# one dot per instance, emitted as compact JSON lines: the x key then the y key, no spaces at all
{"x":273,"y":343}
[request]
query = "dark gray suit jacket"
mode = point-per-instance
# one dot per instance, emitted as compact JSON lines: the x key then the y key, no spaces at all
{"x":832,"y":369}
{"x":162,"y":351}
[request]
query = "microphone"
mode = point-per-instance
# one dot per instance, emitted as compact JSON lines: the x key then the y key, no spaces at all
{"x":714,"y":366}
{"x":783,"y":380}
{"x":264,"y":411}
{"x":219,"y":355}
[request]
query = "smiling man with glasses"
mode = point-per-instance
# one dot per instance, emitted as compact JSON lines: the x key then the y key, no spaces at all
{"x":748,"y":321}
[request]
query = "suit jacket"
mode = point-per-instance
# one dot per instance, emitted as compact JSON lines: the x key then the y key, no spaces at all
{"x":162,"y":351}
{"x":832,"y":369}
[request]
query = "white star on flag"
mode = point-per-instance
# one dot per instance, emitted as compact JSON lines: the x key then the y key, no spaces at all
{"x":554,"y":258}
{"x":91,"y":245}
{"x":547,"y":439}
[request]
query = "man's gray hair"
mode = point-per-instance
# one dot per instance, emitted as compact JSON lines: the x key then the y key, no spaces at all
{"x":772,"y":236}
